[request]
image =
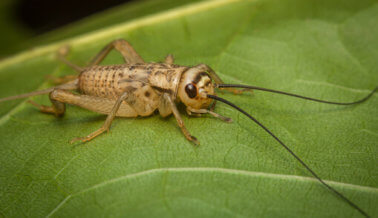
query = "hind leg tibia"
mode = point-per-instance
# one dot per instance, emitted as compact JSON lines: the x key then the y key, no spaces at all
{"x":61,"y":55}
{"x":61,"y":80}
{"x":122,"y":46}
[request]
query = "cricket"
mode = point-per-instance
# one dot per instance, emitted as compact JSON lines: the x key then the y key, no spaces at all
{"x":137,"y":88}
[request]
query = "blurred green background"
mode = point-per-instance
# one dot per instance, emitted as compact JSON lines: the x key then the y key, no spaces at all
{"x":30,"y":23}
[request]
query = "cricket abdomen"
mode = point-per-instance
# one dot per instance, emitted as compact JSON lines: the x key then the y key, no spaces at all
{"x":101,"y":81}
{"x":138,"y":80}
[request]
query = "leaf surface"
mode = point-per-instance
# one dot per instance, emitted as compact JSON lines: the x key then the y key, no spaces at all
{"x":145,"y":167}
{"x":14,"y":40}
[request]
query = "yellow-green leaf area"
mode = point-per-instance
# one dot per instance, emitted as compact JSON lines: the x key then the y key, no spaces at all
{"x":144,"y":167}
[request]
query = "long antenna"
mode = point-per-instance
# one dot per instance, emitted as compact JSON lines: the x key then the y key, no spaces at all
{"x":292,"y":153}
{"x":294,"y":95}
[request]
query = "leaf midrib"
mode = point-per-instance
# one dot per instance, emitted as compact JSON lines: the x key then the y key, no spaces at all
{"x":228,"y":171}
{"x":217,"y":170}
{"x":116,"y":29}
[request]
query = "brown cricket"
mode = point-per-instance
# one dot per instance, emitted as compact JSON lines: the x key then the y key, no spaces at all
{"x":137,"y":88}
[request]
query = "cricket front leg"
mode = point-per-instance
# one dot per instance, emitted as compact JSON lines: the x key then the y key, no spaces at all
{"x":180,"y":122}
{"x":108,"y":121}
{"x":192,"y":111}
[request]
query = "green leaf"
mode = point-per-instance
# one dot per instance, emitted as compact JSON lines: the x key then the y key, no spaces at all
{"x":144,"y":167}
{"x":17,"y":42}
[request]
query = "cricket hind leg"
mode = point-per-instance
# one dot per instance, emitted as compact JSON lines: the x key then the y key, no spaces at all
{"x":122,"y":46}
{"x":61,"y":80}
{"x":127,"y":51}
{"x":111,"y":107}
{"x":108,"y":121}
{"x":57,"y":108}
{"x":61,"y":55}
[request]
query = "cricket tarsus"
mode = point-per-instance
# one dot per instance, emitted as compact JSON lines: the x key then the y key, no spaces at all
{"x":295,"y":95}
{"x":291,"y":152}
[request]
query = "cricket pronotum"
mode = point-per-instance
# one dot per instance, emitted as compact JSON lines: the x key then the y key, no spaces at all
{"x":137,"y":88}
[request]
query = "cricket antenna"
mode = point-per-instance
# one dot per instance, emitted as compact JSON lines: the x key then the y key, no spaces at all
{"x":295,"y":95}
{"x":292,"y":153}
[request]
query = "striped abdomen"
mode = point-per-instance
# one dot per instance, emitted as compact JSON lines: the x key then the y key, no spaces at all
{"x":110,"y":81}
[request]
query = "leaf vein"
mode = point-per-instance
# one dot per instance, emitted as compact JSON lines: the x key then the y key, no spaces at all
{"x":226,"y":171}
{"x":320,"y":83}
{"x":59,"y":206}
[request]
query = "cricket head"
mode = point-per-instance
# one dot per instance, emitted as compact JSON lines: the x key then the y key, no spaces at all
{"x":195,"y":85}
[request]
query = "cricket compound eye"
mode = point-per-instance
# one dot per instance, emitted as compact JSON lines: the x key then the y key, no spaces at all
{"x":191,"y":90}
